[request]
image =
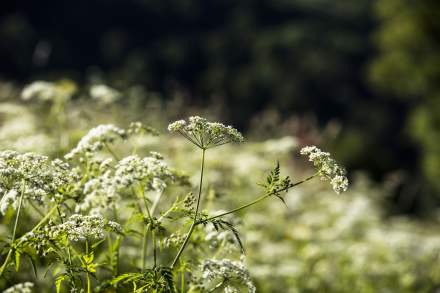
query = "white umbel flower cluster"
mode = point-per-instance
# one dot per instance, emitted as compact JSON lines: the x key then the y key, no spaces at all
{"x":151,"y":173}
{"x":25,"y":287}
{"x":205,"y":134}
{"x":48,"y":91}
{"x":95,"y":140}
{"x":225,"y":269}
{"x":41,"y":90}
{"x":80,"y":227}
{"x":327,"y":167}
{"x":37,"y":177}
{"x":104,"y":94}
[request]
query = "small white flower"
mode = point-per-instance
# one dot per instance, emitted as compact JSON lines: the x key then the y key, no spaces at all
{"x":80,"y":227}
{"x":95,"y":140}
{"x":339,"y":183}
{"x":225,"y":269}
{"x":49,"y":91}
{"x":37,"y":177}
{"x":41,"y":90}
{"x":327,"y":167}
{"x":205,"y":134}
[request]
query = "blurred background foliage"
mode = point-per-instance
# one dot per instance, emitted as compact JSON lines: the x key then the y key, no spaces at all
{"x":359,"y":77}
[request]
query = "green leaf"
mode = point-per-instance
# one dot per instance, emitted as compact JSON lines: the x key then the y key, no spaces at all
{"x":17,"y":260}
{"x":58,"y":281}
{"x":34,"y":266}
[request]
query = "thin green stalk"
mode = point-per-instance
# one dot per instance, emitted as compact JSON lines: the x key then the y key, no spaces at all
{"x":194,"y":223}
{"x":36,"y":209}
{"x":144,"y":247}
{"x":89,"y":285}
{"x":147,"y":229}
{"x":118,"y":243}
{"x":218,"y":286}
{"x":68,"y":247}
{"x":261,"y":198}
{"x":109,"y":149}
{"x":153,"y":236}
{"x":182,"y":282}
{"x":18,"y":212}
{"x":8,"y":256}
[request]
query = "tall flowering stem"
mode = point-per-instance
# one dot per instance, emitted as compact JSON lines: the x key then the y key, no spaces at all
{"x":204,"y":135}
{"x":194,"y":223}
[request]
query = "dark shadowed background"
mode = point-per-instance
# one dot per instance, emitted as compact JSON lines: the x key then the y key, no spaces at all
{"x":366,"y":71}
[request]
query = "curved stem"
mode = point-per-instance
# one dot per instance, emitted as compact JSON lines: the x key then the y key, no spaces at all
{"x":261,"y":198}
{"x":194,"y":223}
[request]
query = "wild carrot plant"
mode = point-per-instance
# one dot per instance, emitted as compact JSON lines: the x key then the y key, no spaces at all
{"x":107,"y":221}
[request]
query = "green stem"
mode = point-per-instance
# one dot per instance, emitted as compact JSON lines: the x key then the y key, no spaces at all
{"x":109,"y":149}
{"x":18,"y":212}
{"x":261,"y":198}
{"x":8,"y":256}
{"x":115,"y":265}
{"x":68,"y":247}
{"x":144,"y":247}
{"x":182,"y":282}
{"x":89,"y":285}
{"x":218,"y":286}
{"x":193,"y":224}
{"x":35,"y":208}
{"x":153,"y":236}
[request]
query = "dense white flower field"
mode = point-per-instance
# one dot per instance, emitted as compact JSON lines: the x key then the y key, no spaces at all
{"x":121,"y":207}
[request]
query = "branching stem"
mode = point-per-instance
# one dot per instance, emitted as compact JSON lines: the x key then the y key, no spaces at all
{"x":261,"y":198}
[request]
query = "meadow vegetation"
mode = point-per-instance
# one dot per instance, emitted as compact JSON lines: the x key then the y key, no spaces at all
{"x":97,"y":200}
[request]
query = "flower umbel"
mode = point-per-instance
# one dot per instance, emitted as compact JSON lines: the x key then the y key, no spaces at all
{"x":231,"y":271}
{"x":205,"y":134}
{"x":327,"y":167}
{"x":96,"y":140}
{"x":80,"y":227}
{"x":37,"y":177}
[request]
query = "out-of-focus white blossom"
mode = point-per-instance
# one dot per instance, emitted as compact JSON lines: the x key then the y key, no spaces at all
{"x":42,"y":90}
{"x":151,"y":173}
{"x":205,"y":134}
{"x":327,"y":168}
{"x":25,"y":287}
{"x":282,"y":145}
{"x":225,"y":269}
{"x":9,"y":199}
{"x":104,"y":94}
{"x":48,"y":91}
{"x":95,"y":140}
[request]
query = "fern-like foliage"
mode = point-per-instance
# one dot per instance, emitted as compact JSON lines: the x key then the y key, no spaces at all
{"x":275,"y":184}
{"x":220,"y":224}
{"x":159,"y":279}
